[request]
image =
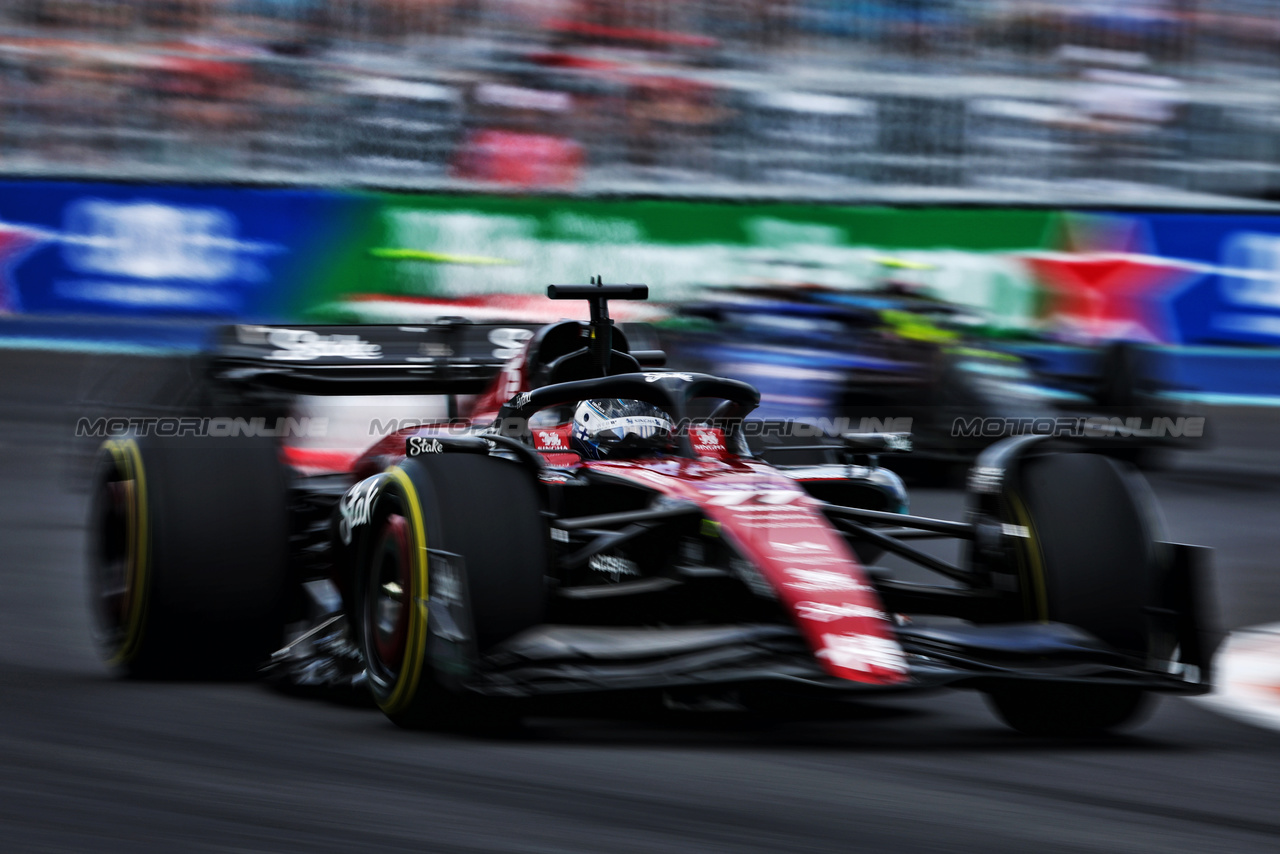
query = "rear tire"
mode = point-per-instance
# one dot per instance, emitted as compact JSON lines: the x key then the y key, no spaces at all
{"x":188,"y":553}
{"x":1091,"y":560}
{"x":485,"y":509}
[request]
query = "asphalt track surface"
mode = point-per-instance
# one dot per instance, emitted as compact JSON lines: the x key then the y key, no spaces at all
{"x":92,"y":763}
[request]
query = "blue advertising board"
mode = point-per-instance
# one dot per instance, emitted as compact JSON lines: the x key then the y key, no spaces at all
{"x":1231,"y":294}
{"x":122,"y":250}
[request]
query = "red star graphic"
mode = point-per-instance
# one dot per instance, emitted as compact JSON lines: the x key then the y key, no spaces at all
{"x":1107,"y":282}
{"x":1101,"y":296}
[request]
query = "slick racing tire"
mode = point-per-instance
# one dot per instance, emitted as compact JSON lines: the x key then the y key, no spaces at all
{"x":1065,"y":710}
{"x":1090,"y":559}
{"x":483,"y":509}
{"x":188,"y":551}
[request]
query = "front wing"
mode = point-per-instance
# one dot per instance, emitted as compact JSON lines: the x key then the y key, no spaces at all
{"x":574,"y":659}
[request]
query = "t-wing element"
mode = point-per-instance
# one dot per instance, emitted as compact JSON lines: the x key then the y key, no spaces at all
{"x":597,"y":294}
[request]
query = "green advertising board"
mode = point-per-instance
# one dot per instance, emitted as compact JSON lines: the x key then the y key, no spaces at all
{"x":464,"y":246}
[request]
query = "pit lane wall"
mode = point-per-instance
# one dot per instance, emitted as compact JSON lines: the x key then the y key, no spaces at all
{"x":129,"y":264}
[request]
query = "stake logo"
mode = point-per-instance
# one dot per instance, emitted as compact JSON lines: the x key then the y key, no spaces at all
{"x":356,"y":507}
{"x":304,"y":345}
{"x":508,"y":341}
{"x":419,"y":445}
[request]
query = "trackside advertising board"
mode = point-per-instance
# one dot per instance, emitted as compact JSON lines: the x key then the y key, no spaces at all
{"x":121,"y":251}
{"x":452,"y":247}
{"x":207,"y":253}
{"x":1166,"y":278}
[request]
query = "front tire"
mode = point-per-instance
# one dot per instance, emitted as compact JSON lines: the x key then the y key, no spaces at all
{"x":485,"y":510}
{"x":188,"y":551}
{"x":1065,"y":710}
{"x":1090,"y":559}
{"x":1092,"y":556}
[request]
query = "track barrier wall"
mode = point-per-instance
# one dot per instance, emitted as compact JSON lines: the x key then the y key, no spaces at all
{"x":154,"y":265}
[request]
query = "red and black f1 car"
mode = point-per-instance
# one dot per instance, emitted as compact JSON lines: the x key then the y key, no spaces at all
{"x":496,"y":559}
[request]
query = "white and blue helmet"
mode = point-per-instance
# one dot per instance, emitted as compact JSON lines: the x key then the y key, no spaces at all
{"x":619,"y":428}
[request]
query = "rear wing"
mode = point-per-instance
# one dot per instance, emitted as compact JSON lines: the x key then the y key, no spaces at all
{"x":438,"y":358}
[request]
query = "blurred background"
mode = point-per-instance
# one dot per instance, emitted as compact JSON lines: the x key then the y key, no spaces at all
{"x":924,"y":208}
{"x":927,"y":209}
{"x":1053,"y":101}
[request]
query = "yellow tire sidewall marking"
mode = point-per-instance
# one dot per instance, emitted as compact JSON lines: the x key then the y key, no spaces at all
{"x":128,"y":462}
{"x":415,"y":653}
{"x":1032,"y":560}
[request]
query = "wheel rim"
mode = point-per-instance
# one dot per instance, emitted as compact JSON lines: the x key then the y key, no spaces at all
{"x":389,"y":598}
{"x":119,"y":553}
{"x":117,"y":574}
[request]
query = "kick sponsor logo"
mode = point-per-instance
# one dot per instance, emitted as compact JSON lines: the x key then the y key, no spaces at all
{"x":802,"y":547}
{"x":805,"y":552}
{"x":613,"y":566}
{"x":862,"y":652}
{"x":825,"y":612}
{"x":824,"y":580}
{"x":752,"y":498}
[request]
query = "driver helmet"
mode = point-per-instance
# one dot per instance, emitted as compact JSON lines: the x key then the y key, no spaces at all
{"x":618,"y":428}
